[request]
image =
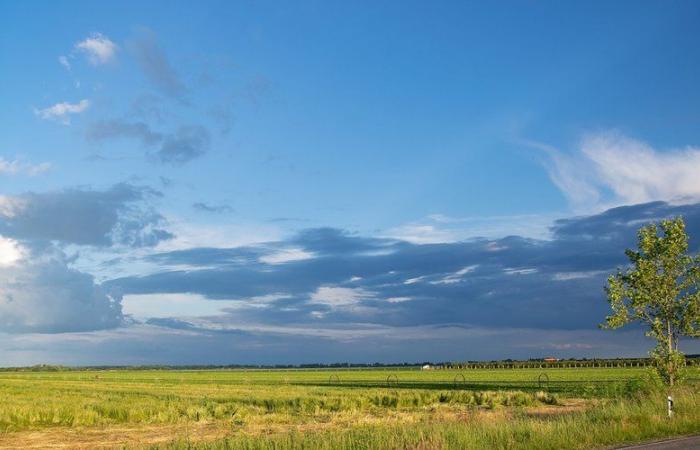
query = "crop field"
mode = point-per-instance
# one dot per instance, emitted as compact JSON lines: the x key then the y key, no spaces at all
{"x":353,"y":409}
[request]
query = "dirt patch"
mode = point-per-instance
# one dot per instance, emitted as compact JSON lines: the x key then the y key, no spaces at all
{"x":111,"y":437}
{"x":569,"y":406}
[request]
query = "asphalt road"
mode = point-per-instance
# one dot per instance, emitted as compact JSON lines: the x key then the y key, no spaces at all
{"x":686,"y":443}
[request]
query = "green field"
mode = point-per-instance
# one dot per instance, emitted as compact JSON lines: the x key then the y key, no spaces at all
{"x":354,"y":409}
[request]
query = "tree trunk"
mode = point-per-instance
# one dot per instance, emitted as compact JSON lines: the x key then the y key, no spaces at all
{"x":670,"y":354}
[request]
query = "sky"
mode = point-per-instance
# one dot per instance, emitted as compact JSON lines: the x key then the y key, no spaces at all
{"x":259,"y":182}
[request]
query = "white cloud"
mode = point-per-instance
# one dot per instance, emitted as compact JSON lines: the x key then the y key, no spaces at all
{"x":566,"y":276}
{"x":611,"y":169}
{"x":455,"y":277}
{"x":62,"y":111}
{"x":37,"y":169}
{"x":414,"y":280}
{"x":440,"y":228}
{"x":10,"y":252}
{"x":18,"y":166}
{"x":144,"y":306}
{"x":190,"y":234}
{"x":520,"y":271}
{"x":98,"y":48}
{"x":286,"y":255}
{"x":421,"y":234}
{"x":339,"y":296}
{"x":63,"y":60}
{"x":495,"y":247}
{"x":11,"y":207}
{"x":8,"y":167}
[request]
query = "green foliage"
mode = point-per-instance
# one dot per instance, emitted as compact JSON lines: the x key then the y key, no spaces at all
{"x":660,"y":290}
{"x":670,"y":365}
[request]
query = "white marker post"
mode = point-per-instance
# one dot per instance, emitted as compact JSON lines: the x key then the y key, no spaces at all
{"x":670,"y":406}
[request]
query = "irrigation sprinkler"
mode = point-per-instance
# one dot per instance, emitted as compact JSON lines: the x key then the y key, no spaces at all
{"x":455,"y":381}
{"x":333,"y":379}
{"x":392,"y":379}
{"x":669,"y":403}
{"x":543,"y":380}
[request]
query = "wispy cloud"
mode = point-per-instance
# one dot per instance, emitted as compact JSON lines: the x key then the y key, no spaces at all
{"x":440,"y":228}
{"x":116,"y":128}
{"x":206,"y":207}
{"x":187,"y":143}
{"x":98,"y":48}
{"x":156,"y":66}
{"x":63,"y":60}
{"x":62,"y":111}
{"x":338,"y":297}
{"x":610,"y":169}
{"x":286,"y":255}
{"x":19,"y":166}
{"x":418,"y":233}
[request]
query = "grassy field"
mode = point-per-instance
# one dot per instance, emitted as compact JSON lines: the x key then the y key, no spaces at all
{"x":352,"y":409}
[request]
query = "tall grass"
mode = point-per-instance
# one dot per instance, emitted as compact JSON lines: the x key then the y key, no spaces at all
{"x":633,"y":419}
{"x":316,"y":409}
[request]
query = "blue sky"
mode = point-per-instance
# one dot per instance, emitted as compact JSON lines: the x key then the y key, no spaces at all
{"x":325,"y":181}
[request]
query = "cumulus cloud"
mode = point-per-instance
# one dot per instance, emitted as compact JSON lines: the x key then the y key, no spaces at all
{"x":98,"y":48}
{"x":155,"y":65}
{"x":41,"y":290}
{"x":62,"y":111}
{"x":40,"y":293}
{"x":19,"y":166}
{"x":611,"y":169}
{"x":118,"y":215}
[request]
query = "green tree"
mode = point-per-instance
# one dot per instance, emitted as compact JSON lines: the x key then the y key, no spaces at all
{"x":661,"y":289}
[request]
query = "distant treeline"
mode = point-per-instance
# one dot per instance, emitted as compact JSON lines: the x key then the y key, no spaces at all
{"x":691,"y":360}
{"x":59,"y":368}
